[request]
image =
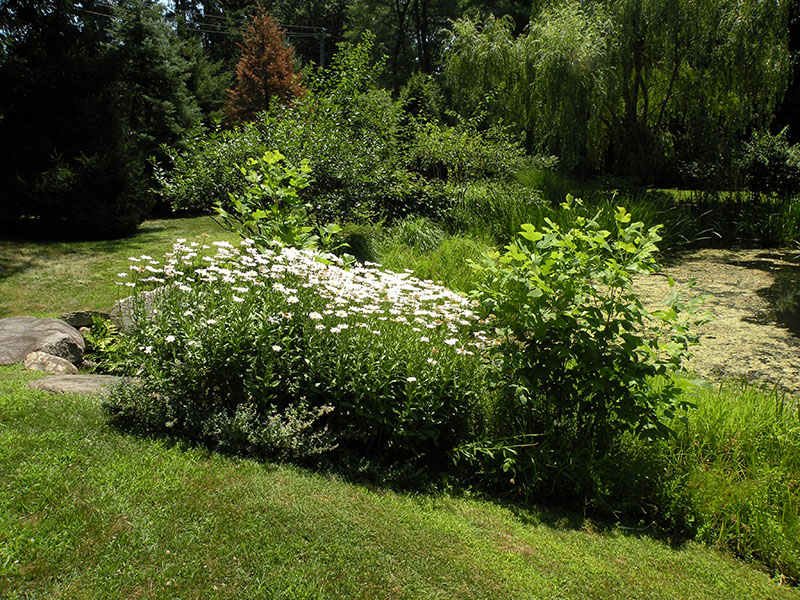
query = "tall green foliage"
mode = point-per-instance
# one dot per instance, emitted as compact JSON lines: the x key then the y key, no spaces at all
{"x":67,"y":162}
{"x":490,"y":69}
{"x":410,"y":33}
{"x":153,"y":76}
{"x":577,"y":352}
{"x":344,"y":125}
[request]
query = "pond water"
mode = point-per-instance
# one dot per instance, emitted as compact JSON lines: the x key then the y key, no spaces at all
{"x":784,"y":296}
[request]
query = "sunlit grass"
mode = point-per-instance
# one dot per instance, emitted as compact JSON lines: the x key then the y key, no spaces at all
{"x":86,"y":512}
{"x":740,"y":450}
{"x":45,"y":279}
{"x":89,"y":513}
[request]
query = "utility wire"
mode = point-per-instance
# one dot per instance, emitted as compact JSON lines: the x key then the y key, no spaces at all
{"x":314,"y":28}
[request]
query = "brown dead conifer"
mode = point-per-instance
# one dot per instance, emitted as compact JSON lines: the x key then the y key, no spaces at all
{"x":265,"y":71}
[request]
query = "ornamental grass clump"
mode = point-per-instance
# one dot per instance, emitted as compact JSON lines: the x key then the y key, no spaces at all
{"x":285,"y":353}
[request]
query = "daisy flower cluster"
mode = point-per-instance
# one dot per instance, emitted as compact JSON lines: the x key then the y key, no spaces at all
{"x":222,"y":330}
{"x":334,"y":297}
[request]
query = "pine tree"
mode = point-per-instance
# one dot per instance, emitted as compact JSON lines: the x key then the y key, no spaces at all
{"x":265,"y":71}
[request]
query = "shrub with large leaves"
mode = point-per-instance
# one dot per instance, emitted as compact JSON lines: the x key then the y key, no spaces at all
{"x":579,"y":351}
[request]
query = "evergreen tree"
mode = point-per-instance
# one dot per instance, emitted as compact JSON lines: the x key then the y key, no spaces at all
{"x":68,"y":165}
{"x":265,"y":71}
{"x":87,"y":97}
{"x":153,"y":75}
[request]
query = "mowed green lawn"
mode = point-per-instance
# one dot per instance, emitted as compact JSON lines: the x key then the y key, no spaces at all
{"x":88,"y":512}
{"x":45,"y":279}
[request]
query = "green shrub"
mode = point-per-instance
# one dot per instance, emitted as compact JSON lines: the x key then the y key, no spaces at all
{"x":203,"y":170}
{"x":578,"y":353}
{"x":770,"y":164}
{"x":422,"y":98}
{"x":269,"y":209}
{"x":462,"y":153}
{"x":352,"y":147}
{"x":102,"y":344}
{"x":252,"y":344}
{"x":343,"y":125}
{"x":368,"y":159}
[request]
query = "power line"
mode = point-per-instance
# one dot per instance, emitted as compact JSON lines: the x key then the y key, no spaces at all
{"x":240,"y":20}
{"x":216,"y":29}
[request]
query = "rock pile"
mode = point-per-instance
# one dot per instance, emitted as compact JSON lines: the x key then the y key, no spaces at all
{"x":21,"y":336}
{"x":54,"y":346}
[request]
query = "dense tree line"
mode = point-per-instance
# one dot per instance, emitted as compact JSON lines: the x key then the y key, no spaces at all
{"x":651,"y":91}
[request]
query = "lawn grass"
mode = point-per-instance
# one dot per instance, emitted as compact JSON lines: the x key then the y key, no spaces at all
{"x":45,"y":279}
{"x":86,"y":512}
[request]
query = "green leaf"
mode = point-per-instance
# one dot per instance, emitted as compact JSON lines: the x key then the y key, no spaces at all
{"x":622,"y":216}
{"x":535,"y":292}
{"x":529,"y":233}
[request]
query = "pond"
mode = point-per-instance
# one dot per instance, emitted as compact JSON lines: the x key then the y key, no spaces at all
{"x":754,"y":299}
{"x":783,"y":296}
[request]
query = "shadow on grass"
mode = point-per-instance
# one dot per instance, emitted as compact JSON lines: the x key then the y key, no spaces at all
{"x":419,"y":484}
{"x":20,"y":253}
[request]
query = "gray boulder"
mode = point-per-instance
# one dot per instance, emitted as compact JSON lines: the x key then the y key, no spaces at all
{"x":19,"y":336}
{"x":124,"y":312}
{"x":83,"y":318}
{"x":92,"y":385}
{"x":41,"y":361}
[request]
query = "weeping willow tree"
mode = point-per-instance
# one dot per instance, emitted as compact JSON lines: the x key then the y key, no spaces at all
{"x":688,"y":80}
{"x":569,"y":93}
{"x":492,"y":71}
{"x":640,"y":88}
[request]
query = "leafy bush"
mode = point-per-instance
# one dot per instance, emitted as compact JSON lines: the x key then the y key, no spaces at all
{"x":102,"y":344}
{"x":343,"y":125}
{"x":422,"y":98}
{"x":578,"y":353}
{"x":269,"y":209}
{"x":368,"y":159}
{"x":203,"y":170}
{"x":252,"y":343}
{"x":770,"y":164}
{"x":462,"y":153}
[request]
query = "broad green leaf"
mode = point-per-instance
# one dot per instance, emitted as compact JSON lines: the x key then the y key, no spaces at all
{"x":529,"y":233}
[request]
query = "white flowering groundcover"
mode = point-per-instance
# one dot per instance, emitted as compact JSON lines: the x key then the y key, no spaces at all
{"x":394,"y":361}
